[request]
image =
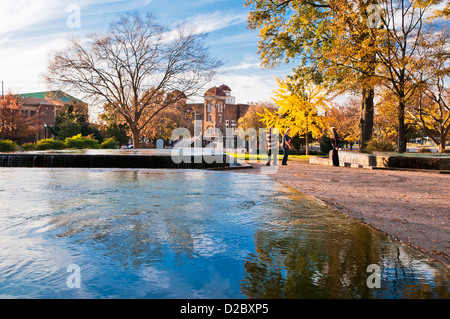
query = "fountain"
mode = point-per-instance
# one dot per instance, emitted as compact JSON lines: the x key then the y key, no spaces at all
{"x":146,"y":158}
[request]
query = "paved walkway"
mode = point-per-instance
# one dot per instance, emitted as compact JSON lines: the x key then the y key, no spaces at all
{"x":413,"y":207}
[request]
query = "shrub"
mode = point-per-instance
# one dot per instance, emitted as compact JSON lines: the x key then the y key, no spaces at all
{"x":80,"y":142}
{"x":7,"y":146}
{"x":50,"y":144}
{"x":28,"y":147}
{"x":423,"y":150}
{"x":110,"y":143}
{"x":381,"y":145}
{"x":325,"y":144}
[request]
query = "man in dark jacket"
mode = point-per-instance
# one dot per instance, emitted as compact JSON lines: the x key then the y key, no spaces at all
{"x":286,"y":144}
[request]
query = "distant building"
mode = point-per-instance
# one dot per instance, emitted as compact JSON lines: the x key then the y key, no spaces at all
{"x":47,"y":105}
{"x":219,"y":111}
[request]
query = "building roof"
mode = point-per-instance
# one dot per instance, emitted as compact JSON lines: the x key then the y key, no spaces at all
{"x":215,"y":91}
{"x":225,"y":88}
{"x":52,"y":95}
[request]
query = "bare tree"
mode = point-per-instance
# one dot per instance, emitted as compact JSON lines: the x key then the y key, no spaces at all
{"x":137,"y":67}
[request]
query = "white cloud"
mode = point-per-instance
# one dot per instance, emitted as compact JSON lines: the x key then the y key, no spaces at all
{"x":244,"y":38}
{"x":18,"y":14}
{"x":246,"y":88}
{"x":250,"y":88}
{"x":242,"y":66}
{"x":22,"y":65}
{"x":207,"y":23}
{"x":26,"y":40}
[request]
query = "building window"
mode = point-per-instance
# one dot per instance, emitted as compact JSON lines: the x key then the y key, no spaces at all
{"x":220,"y":117}
{"x":233,"y":123}
{"x":219,"y":107}
{"x":227,"y":123}
{"x":209,"y":118}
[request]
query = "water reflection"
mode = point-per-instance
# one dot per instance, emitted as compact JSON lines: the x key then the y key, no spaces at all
{"x":191,"y":234}
{"x":315,"y":252}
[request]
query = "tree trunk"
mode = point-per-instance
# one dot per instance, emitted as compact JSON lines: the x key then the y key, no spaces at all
{"x":401,"y":127}
{"x":135,"y":136}
{"x":442,"y":140}
{"x":366,"y":118}
{"x":307,"y":139}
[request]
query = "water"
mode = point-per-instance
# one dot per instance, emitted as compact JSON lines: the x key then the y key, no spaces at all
{"x":191,"y":234}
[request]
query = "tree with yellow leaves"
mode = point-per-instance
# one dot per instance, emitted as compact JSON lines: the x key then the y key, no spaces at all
{"x":301,"y":105}
{"x":332,"y":36}
{"x":356,"y":44}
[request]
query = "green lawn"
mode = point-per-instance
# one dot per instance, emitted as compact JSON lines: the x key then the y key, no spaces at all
{"x":254,"y":157}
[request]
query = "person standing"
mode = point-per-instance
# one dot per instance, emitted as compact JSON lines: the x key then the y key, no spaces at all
{"x":335,"y":145}
{"x":270,"y":145}
{"x":286,"y":144}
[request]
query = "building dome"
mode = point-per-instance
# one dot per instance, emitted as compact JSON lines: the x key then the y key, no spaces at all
{"x":225,"y":88}
{"x":215,"y":91}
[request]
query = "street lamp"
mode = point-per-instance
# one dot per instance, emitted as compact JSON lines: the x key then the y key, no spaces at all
{"x":45,"y":130}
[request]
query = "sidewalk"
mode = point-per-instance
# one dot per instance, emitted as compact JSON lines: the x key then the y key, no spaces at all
{"x":413,"y":207}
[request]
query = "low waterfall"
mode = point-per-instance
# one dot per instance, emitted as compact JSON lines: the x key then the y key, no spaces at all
{"x":105,"y":161}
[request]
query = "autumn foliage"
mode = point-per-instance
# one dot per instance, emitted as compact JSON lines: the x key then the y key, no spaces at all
{"x":15,"y":124}
{"x":302,"y":108}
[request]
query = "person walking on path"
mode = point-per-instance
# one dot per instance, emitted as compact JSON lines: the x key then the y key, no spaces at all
{"x":335,"y":145}
{"x":269,"y":148}
{"x":286,"y":144}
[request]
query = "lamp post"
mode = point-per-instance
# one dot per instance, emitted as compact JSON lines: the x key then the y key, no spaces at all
{"x":45,"y":130}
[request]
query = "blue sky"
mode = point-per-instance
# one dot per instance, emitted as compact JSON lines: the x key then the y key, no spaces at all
{"x":30,"y":29}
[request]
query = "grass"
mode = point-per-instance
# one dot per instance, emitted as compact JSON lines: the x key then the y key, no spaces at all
{"x":263,"y":158}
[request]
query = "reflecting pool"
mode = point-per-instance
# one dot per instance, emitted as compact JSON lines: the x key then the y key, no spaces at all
{"x":191,"y":234}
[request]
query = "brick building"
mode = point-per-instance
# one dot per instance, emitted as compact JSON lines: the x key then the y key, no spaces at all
{"x":46,"y":105}
{"x":220,"y":111}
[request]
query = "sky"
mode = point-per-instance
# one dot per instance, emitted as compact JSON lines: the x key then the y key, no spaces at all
{"x":31,"y":29}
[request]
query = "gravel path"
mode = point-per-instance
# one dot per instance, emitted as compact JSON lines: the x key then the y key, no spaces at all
{"x":413,"y":207}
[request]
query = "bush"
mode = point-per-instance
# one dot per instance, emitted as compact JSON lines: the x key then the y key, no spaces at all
{"x":50,"y":144}
{"x":80,"y":142}
{"x":110,"y":143}
{"x":325,"y":144}
{"x":380,"y":145}
{"x":28,"y":147}
{"x":7,"y":146}
{"x":423,"y":150}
